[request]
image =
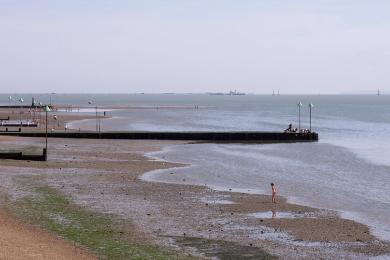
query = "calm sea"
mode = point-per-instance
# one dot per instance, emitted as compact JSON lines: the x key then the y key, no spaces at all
{"x":348,"y":170}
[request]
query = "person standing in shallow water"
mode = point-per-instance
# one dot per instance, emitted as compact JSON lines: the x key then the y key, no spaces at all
{"x":273,"y":187}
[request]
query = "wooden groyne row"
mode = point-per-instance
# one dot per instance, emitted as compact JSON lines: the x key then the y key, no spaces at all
{"x":242,"y":136}
{"x":24,"y":106}
{"x":21,"y":156}
{"x":19,"y":125}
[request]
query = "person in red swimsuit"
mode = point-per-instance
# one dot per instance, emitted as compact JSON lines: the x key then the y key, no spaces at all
{"x":273,"y":187}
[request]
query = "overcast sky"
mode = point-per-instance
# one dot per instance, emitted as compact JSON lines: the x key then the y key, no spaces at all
{"x":300,"y":46}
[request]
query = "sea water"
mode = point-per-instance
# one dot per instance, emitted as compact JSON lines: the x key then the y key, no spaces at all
{"x":348,"y":170}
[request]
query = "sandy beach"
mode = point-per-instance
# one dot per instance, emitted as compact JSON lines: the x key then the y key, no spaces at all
{"x":56,"y":120}
{"x":104,"y":176}
{"x":22,"y":241}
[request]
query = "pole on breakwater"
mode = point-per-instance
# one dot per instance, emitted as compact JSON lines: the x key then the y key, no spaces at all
{"x":310,"y":107}
{"x":299,"y":116}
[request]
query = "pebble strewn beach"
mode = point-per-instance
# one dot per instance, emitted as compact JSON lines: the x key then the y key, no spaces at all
{"x":103,"y":175}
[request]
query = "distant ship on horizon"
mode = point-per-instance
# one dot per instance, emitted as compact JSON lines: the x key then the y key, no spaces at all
{"x":230,"y":93}
{"x":235,"y":93}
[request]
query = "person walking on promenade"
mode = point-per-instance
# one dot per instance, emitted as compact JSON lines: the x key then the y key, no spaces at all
{"x":273,"y":187}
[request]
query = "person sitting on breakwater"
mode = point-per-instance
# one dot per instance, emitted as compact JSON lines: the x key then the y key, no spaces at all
{"x":273,"y":188}
{"x":289,"y":129}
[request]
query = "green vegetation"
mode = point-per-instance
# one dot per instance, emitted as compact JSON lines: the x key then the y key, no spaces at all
{"x":224,"y":250}
{"x":106,"y":235}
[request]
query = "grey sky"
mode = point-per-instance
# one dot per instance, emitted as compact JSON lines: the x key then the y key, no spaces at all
{"x":305,"y":46}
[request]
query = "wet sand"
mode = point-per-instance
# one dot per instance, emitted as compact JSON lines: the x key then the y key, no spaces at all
{"x":304,"y":223}
{"x":103,"y":175}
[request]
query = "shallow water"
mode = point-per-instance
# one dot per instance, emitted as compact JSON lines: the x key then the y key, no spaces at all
{"x":313,"y":174}
{"x":359,"y":123}
{"x":347,"y":170}
{"x":275,"y":214}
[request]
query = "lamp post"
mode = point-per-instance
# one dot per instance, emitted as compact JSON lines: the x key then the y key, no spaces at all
{"x":40,"y":115}
{"x":47,"y":109}
{"x":299,"y":116}
{"x":50,"y":98}
{"x":97,"y":118}
{"x":21,"y":100}
{"x":96,"y":114}
{"x":10,"y":99}
{"x":100,"y":122}
{"x":310,"y":107}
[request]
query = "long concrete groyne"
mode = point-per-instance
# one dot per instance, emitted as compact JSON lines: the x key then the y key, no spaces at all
{"x":242,"y":136}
